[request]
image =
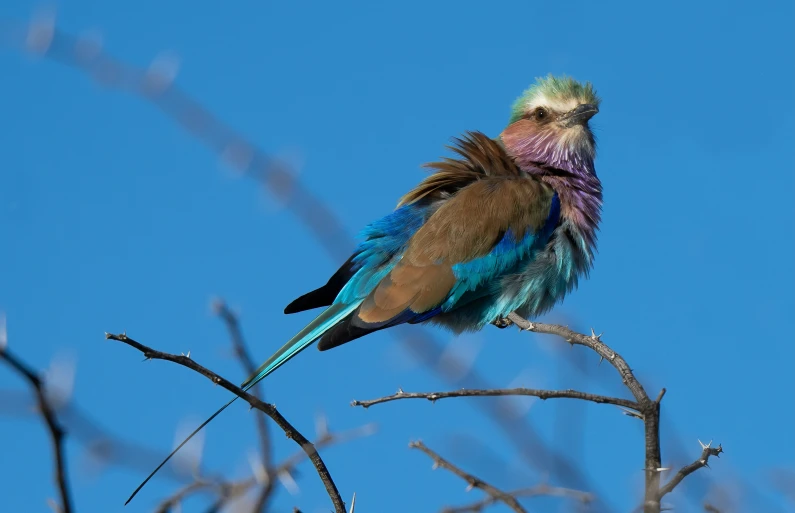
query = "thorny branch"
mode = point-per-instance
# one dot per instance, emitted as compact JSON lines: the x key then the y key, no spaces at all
{"x":267,"y":409}
{"x":645,"y":408}
{"x":541,"y":394}
{"x":473,"y":482}
{"x":53,"y":426}
{"x":703,"y":461}
{"x":593,"y":342}
{"x":648,"y":408}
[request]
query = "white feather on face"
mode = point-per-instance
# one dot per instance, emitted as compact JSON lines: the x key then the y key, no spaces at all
{"x":557,"y":104}
{"x":576,"y":138}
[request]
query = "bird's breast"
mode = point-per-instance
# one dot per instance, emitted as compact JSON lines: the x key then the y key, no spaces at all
{"x":552,"y":272}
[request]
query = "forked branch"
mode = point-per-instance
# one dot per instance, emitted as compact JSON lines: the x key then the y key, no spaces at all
{"x":703,"y":461}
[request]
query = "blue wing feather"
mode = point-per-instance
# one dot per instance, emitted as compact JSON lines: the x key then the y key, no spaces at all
{"x":384,"y":242}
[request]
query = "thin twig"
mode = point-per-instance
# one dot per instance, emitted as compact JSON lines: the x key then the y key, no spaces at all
{"x":473,"y":481}
{"x":703,"y":461}
{"x":53,"y":426}
{"x":266,"y":408}
{"x":541,"y":394}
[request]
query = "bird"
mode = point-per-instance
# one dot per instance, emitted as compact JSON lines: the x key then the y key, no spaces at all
{"x":508,"y":224}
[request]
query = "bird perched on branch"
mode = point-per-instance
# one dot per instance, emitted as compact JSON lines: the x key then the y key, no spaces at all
{"x":508,"y":224}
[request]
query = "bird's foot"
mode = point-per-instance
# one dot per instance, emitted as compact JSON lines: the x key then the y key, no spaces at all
{"x":502,"y":322}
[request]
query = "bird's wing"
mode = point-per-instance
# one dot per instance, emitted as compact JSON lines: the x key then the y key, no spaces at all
{"x":478,"y":157}
{"x":475,"y":236}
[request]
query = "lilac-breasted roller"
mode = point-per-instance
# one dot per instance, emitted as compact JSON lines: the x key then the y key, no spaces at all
{"x":509,"y":224}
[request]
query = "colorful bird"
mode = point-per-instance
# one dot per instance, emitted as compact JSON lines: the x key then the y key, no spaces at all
{"x":509,"y":225}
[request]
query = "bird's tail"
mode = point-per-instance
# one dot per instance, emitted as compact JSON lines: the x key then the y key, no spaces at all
{"x":314,"y":330}
{"x":150,"y":476}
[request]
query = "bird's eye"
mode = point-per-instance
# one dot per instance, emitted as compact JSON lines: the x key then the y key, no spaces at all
{"x":541,"y":114}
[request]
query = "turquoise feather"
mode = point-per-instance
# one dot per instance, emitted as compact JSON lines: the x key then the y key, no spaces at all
{"x":313,"y":331}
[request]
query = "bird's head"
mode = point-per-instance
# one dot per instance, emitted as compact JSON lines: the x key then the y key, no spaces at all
{"x":549,"y":124}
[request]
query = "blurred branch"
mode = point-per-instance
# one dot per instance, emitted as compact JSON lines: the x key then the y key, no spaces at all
{"x":267,"y":409}
{"x":534,"y":491}
{"x":102,"y":446}
{"x":326,"y":439}
{"x":229,"y":490}
{"x":177,"y":497}
{"x":241,"y":351}
{"x":784,"y":481}
{"x":473,"y":481}
{"x":541,"y":394}
{"x":53,"y":426}
{"x":703,"y":461}
{"x":157,"y":85}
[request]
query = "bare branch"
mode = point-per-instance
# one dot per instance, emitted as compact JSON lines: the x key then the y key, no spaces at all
{"x":473,"y":481}
{"x":593,"y":342}
{"x":541,"y":394}
{"x":650,"y":409}
{"x":703,"y":461}
{"x":53,"y":426}
{"x":266,"y":408}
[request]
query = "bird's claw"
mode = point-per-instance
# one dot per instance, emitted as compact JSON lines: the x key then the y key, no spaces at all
{"x":502,"y":322}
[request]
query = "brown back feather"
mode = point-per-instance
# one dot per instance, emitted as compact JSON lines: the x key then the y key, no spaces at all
{"x":481,"y":157}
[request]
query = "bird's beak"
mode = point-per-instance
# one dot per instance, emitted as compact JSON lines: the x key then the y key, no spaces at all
{"x":579,"y":115}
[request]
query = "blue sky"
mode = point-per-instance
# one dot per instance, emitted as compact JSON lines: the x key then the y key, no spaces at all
{"x":114,"y":218}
